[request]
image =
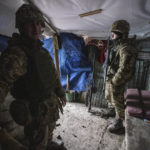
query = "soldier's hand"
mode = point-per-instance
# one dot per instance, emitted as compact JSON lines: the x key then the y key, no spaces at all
{"x":63,"y":101}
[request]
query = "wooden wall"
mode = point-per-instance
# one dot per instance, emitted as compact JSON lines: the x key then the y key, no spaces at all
{"x":141,"y":78}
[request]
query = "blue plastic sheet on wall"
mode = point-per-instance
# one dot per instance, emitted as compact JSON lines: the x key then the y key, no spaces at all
{"x":3,"y":43}
{"x":72,"y":61}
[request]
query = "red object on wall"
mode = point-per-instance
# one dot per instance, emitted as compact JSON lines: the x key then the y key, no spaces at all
{"x":101,"y":45}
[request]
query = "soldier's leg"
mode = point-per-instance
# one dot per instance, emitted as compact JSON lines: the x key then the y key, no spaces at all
{"x":45,"y":133}
{"x":118,"y":101}
{"x":108,"y":94}
{"x":37,"y":137}
{"x":110,"y":112}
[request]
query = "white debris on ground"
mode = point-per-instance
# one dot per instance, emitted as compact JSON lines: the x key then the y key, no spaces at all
{"x":80,"y":130}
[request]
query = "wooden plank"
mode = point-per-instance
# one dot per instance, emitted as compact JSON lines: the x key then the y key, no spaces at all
{"x":91,"y":13}
{"x":55,"y":51}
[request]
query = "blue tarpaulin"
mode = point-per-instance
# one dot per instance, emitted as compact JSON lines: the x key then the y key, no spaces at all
{"x":72,"y":60}
{"x":3,"y":43}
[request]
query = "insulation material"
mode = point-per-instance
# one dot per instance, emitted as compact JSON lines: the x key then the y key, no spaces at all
{"x":64,"y":15}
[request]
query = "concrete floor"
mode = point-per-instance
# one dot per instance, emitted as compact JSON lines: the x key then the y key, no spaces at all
{"x":81,"y":130}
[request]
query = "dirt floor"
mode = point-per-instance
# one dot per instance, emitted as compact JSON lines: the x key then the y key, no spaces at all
{"x":80,"y":130}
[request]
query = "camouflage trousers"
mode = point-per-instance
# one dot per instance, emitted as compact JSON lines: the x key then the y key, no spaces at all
{"x":47,"y":137}
{"x":39,"y":120}
{"x":115,"y":98}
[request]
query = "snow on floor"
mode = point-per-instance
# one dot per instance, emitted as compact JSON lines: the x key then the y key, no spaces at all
{"x":80,"y":130}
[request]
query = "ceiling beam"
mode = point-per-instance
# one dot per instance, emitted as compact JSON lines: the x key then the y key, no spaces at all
{"x":91,"y":13}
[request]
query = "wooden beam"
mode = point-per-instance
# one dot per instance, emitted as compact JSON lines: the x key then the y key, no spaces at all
{"x":91,"y":13}
{"x":56,"y":61}
{"x":55,"y":51}
{"x":68,"y":86}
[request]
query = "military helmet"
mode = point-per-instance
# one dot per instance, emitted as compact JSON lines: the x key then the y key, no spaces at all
{"x":121,"y":26}
{"x":28,"y":13}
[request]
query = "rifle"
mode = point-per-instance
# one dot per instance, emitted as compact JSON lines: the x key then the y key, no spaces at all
{"x":92,"y":88}
{"x":105,"y":66}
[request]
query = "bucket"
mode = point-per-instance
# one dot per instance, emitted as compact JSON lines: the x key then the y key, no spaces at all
{"x":70,"y":96}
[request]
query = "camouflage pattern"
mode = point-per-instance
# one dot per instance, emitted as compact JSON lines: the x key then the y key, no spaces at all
{"x":28,"y":13}
{"x":36,"y":113}
{"x":115,"y":98}
{"x":51,"y":127}
{"x":13,"y":64}
{"x":120,"y":71}
{"x":121,"y":26}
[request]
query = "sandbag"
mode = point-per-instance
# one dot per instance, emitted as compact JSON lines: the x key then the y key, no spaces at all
{"x":138,"y":103}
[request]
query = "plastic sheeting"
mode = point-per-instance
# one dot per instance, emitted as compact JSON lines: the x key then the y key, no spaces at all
{"x":64,"y":15}
{"x":72,"y":61}
{"x":3,"y":42}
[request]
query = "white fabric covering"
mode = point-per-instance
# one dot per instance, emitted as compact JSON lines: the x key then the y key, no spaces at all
{"x":64,"y":14}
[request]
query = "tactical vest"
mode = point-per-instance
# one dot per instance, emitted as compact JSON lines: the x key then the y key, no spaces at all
{"x":40,"y":79}
{"x":115,"y":60}
{"x":114,"y":63}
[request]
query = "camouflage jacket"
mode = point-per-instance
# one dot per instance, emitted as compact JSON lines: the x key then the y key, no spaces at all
{"x":122,"y":63}
{"x":15,"y":64}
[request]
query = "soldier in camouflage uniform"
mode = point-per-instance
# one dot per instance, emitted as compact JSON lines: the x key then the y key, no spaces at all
{"x":120,"y":70}
{"x":27,"y":70}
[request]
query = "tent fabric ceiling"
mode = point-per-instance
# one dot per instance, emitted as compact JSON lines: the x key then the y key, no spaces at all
{"x":64,"y":15}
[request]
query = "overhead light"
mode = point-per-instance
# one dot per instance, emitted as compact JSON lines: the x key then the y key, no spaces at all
{"x":91,"y":13}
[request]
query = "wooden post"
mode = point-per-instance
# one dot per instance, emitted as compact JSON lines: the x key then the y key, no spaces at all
{"x":67,"y":87}
{"x":56,"y":62}
{"x":55,"y":51}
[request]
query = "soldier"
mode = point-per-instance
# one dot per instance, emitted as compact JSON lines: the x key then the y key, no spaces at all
{"x":27,"y":70}
{"x":120,"y":70}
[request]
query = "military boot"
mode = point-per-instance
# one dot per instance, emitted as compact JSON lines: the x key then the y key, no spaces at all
{"x":117,"y":127}
{"x":110,"y":112}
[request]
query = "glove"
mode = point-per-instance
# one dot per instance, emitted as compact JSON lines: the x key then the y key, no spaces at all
{"x":63,"y":101}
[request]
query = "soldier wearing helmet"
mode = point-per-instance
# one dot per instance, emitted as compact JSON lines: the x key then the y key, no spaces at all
{"x":120,"y":70}
{"x":28,"y":13}
{"x":27,"y":71}
{"x":121,"y":27}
